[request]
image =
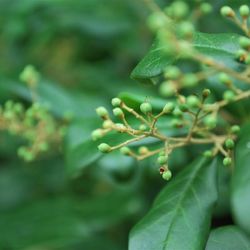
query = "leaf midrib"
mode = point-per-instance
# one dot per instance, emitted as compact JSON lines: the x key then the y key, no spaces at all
{"x":182,"y":197}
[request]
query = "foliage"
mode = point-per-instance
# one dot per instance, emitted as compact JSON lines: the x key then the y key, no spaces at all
{"x":183,"y":117}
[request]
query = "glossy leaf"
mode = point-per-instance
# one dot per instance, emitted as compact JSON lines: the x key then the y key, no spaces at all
{"x":228,"y":238}
{"x":222,"y":47}
{"x":241,"y":182}
{"x":181,"y":214}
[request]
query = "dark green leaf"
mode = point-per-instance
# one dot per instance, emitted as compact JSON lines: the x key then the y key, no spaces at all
{"x":181,"y":214}
{"x":228,"y":238}
{"x":241,"y":181}
{"x":222,"y":47}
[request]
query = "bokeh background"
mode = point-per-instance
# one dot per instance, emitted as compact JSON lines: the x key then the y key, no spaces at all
{"x":85,"y":51}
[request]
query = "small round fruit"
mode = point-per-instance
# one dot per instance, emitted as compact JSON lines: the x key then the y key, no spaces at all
{"x":227,"y":161}
{"x":167,"y":175}
{"x":193,"y":101}
{"x":179,"y":9}
{"x":162,"y":159}
{"x":172,"y":72}
{"x":143,"y":150}
{"x":146,"y":107}
{"x":210,"y":121}
{"x":142,"y":127}
{"x":117,"y":112}
{"x":244,"y":42}
{"x":97,"y":134}
{"x":104,"y":148}
{"x":101,"y":111}
{"x":206,"y":8}
{"x":183,"y":107}
{"x":125,"y":150}
{"x":206,"y":93}
{"x":116,"y":102}
{"x":227,"y":11}
{"x":244,"y":11}
{"x":208,"y":153}
{"x":225,"y":78}
{"x":107,"y":124}
{"x":228,"y":95}
{"x":168,"y":108}
{"x":190,"y":80}
{"x":235,"y":129}
{"x":167,"y":89}
{"x":229,"y":143}
{"x":177,"y":112}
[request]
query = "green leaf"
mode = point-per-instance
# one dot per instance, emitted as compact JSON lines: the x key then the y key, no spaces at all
{"x":222,"y":47}
{"x":228,"y":238}
{"x":241,"y":181}
{"x":181,"y":214}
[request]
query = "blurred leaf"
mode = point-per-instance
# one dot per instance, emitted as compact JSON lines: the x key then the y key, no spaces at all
{"x":181,"y":214}
{"x":228,"y":238}
{"x":240,"y":181}
{"x":221,"y":47}
{"x":58,"y":222}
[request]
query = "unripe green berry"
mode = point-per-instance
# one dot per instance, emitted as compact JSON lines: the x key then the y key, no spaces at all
{"x":244,"y":11}
{"x":168,"y":108}
{"x":156,"y":21}
{"x":104,"y":148}
{"x":172,"y":72}
{"x":125,"y":150}
{"x":146,"y":107}
{"x":117,"y":112}
{"x":179,"y":9}
{"x":210,"y":121}
{"x":183,"y":107}
{"x":189,"y":80}
{"x":116,"y":102}
{"x":229,"y":143}
{"x":225,"y":79}
{"x":101,"y":111}
{"x":167,"y":175}
{"x":97,"y":134}
{"x":162,"y":160}
{"x":107,"y":124}
{"x":167,"y":89}
{"x":227,"y":11}
{"x":208,"y":153}
{"x":206,"y":93}
{"x":241,"y":55}
{"x":143,"y":150}
{"x":186,"y":29}
{"x":227,"y":161}
{"x":193,"y":101}
{"x":228,"y":95}
{"x":176,"y":123}
{"x":235,"y":129}
{"x":244,"y":42}
{"x":177,"y":112}
{"x":142,"y":127}
{"x":206,"y":8}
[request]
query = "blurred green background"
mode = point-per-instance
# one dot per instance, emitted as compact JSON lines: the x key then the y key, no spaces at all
{"x":85,"y":51}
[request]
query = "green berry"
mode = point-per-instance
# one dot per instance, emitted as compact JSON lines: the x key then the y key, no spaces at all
{"x":227,"y":161}
{"x":162,"y":160}
{"x":143,"y":150}
{"x":210,"y":121}
{"x":244,"y":11}
{"x":186,"y":29}
{"x":190,"y":80}
{"x":97,"y":134}
{"x":177,"y":112}
{"x":206,"y":8}
{"x":193,"y":101}
{"x":227,"y":11}
{"x":228,"y":95}
{"x":176,"y":123}
{"x":168,"y":108}
{"x":244,"y":42}
{"x":125,"y":150}
{"x":179,"y":9}
{"x":229,"y":143}
{"x":146,"y":107}
{"x":172,"y":72}
{"x":235,"y":129}
{"x":167,"y":89}
{"x":208,"y":153}
{"x":142,"y":127}
{"x":225,"y":79}
{"x":183,"y":107}
{"x":241,"y":55}
{"x":206,"y":93}
{"x":167,"y":175}
{"x":156,"y":21}
{"x":117,"y":112}
{"x":104,"y":148}
{"x":116,"y":102}
{"x":101,"y":111}
{"x":107,"y":124}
